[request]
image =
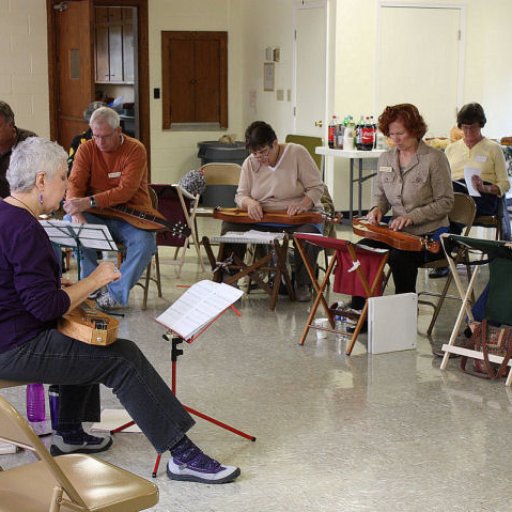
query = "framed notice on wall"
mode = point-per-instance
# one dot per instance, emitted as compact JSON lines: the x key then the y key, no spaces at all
{"x":268,"y":76}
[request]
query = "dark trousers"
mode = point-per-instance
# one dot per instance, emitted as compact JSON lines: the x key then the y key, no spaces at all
{"x":301,"y":274}
{"x":79,"y":368}
{"x":404,"y":267}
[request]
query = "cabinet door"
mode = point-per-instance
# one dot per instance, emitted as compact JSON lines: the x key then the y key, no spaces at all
{"x":181,"y":67}
{"x":207,"y":80}
{"x":101,"y":54}
{"x":115,"y":51}
{"x":128,"y":53}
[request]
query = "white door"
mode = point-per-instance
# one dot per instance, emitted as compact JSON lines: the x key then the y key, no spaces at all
{"x":418,"y":61}
{"x":310,"y":77}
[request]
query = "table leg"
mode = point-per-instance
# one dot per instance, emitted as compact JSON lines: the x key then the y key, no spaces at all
{"x":360,"y":187}
{"x":351,"y":191}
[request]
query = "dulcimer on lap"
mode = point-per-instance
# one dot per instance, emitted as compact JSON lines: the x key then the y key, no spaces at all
{"x":90,"y":325}
{"x":396,"y":239}
{"x":278,"y":217}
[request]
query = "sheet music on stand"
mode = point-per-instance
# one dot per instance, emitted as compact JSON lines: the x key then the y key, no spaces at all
{"x":252,"y":236}
{"x":198,"y":307}
{"x":72,"y":234}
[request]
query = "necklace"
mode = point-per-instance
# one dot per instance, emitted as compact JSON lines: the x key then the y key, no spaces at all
{"x":24,"y":204}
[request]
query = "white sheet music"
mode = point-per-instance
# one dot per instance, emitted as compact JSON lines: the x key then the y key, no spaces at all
{"x":198,"y":306}
{"x":248,"y":237}
{"x":92,"y":236}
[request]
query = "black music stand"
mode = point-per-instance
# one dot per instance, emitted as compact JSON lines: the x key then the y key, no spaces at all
{"x":192,"y":314}
{"x":76,"y":235}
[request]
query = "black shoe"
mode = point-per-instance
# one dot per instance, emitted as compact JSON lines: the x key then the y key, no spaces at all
{"x":439,"y":272}
{"x":364,"y":328}
{"x":302,"y":293}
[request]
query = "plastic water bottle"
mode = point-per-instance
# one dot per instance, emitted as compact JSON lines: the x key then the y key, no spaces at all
{"x":36,"y":410}
{"x":53,"y":398}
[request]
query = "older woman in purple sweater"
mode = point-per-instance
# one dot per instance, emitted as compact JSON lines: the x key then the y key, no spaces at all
{"x":32,"y":299}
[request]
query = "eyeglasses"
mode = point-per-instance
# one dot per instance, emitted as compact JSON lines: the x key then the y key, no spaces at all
{"x":470,"y":127}
{"x":263,"y":153}
{"x":103,"y":137}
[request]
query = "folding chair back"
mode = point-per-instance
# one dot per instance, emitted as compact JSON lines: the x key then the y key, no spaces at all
{"x":221,"y":184}
{"x":74,"y":482}
{"x":310,"y":143}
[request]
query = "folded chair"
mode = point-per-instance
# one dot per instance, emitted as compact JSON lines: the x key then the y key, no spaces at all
{"x":358,"y":271}
{"x":180,"y":208}
{"x":74,"y":482}
{"x":498,"y":308}
{"x":463,"y":213}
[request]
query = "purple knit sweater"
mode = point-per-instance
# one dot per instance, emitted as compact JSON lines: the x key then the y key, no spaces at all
{"x":30,"y":296}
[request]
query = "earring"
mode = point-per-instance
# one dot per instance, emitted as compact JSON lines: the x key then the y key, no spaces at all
{"x":41,"y":198}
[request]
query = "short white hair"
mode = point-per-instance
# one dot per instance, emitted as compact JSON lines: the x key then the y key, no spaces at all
{"x":105,"y":115}
{"x":31,"y":156}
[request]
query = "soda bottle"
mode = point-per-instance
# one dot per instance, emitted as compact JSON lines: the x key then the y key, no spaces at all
{"x":367,"y":135}
{"x":359,"y":133}
{"x":374,"y":129}
{"x":36,"y":410}
{"x":332,"y":132}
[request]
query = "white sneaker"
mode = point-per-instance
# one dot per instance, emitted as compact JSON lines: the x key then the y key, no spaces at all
{"x":192,"y":465}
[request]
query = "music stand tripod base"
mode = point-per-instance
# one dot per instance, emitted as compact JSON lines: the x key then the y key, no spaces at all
{"x":175,"y":353}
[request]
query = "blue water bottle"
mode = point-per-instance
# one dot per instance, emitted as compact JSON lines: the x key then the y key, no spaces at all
{"x":36,"y":410}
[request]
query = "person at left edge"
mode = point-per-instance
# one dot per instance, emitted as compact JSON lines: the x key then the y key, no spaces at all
{"x":109,"y":170}
{"x":32,"y":349}
{"x":10,"y":136}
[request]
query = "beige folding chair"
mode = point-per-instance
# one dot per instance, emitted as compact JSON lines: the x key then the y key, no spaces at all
{"x":221,"y":184}
{"x":74,"y":482}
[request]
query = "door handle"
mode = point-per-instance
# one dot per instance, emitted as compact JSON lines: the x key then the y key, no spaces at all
{"x":319,"y":123}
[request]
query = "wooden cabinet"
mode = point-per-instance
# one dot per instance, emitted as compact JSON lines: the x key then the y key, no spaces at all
{"x":114,"y":45}
{"x":194,"y":79}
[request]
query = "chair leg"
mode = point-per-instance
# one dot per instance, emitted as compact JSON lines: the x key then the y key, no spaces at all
{"x":157,"y":270}
{"x":147,"y":279}
{"x":439,"y":304}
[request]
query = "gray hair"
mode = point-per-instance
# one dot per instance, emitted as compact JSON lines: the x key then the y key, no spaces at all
{"x":6,"y":112}
{"x":105,"y":115}
{"x":95,"y":105}
{"x":31,"y":156}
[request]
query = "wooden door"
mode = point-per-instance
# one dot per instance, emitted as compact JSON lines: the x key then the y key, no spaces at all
{"x":73,"y":74}
{"x":61,"y":21}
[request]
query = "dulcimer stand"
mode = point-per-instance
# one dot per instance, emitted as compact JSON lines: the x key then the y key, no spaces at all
{"x":359,"y":272}
{"x":175,"y":353}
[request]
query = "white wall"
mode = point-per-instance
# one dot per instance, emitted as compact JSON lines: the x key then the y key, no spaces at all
{"x":24,"y":69}
{"x":173,"y":153}
{"x":253,"y":25}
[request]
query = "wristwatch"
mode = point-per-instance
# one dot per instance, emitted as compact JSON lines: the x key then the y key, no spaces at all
{"x":92,"y":202}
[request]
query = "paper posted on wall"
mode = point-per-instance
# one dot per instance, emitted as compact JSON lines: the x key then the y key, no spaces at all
{"x":197,"y":307}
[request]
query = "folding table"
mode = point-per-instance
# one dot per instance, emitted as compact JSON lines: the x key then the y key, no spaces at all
{"x":498,"y":306}
{"x":358,"y":271}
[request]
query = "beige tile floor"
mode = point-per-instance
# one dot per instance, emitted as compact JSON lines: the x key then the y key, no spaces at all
{"x":379,"y":433}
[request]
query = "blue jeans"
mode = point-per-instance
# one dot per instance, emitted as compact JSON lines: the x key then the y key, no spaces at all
{"x":140,"y":246}
{"x":53,"y":358}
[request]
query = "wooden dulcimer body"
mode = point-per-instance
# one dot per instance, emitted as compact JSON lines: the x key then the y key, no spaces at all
{"x":278,"y":217}
{"x":396,"y":239}
{"x":90,"y":325}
